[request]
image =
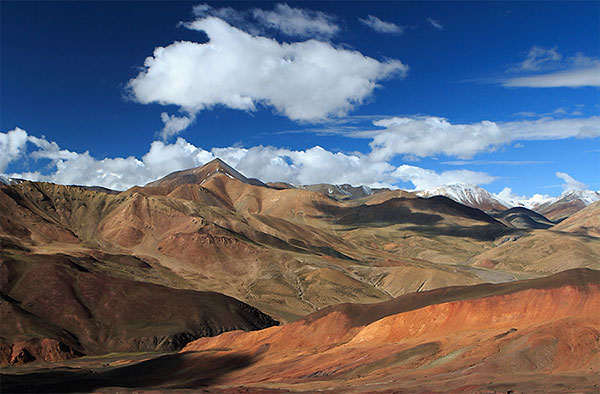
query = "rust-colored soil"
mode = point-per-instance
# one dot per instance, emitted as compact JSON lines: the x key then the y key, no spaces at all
{"x":463,"y":339}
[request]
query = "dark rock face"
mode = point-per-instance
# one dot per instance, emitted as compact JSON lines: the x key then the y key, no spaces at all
{"x":53,"y":311}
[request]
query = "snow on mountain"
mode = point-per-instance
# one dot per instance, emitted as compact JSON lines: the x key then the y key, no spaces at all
{"x":342,"y":192}
{"x":470,"y":195}
{"x":10,"y":181}
{"x":477,"y":197}
{"x":512,"y":200}
{"x":587,"y":196}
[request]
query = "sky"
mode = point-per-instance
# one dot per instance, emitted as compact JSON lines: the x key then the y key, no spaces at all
{"x":413,"y":95}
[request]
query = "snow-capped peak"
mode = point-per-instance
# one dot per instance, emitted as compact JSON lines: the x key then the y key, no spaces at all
{"x":467,"y":194}
{"x":477,"y":197}
{"x":587,"y":196}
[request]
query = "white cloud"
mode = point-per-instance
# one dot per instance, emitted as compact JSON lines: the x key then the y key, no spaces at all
{"x":557,"y":111}
{"x":511,"y":199}
{"x":435,"y":24}
{"x":575,"y":71}
{"x":552,"y":129}
{"x":12,"y":146}
{"x":539,"y":58}
{"x":173,"y":125}
{"x":571,"y":78}
{"x":570,"y":182}
{"x":297,"y":22}
{"x":49,"y":150}
{"x":499,"y":162}
{"x":381,"y":26}
{"x":293,"y":22}
{"x":314,"y":165}
{"x":430,"y":136}
{"x":305,"y":81}
{"x":424,"y":179}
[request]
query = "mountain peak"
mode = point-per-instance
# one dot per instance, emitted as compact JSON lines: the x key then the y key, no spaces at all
{"x":199,"y":175}
{"x":219,"y":166}
{"x":467,"y":194}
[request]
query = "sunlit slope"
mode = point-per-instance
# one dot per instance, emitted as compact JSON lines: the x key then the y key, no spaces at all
{"x":535,"y":334}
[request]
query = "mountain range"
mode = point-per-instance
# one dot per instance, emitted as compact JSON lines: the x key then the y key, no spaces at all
{"x":293,"y":277}
{"x":554,"y":208}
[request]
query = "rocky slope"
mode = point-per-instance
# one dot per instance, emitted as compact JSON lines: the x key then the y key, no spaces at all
{"x":56,"y":307}
{"x":584,"y":222}
{"x":566,"y":204}
{"x":537,"y":335}
{"x":466,"y":337}
{"x":523,"y":218}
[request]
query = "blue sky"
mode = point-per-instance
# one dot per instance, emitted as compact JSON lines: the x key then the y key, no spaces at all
{"x":406,"y":94}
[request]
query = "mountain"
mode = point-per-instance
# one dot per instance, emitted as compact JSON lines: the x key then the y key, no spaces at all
{"x":61,"y":306}
{"x":528,"y":336}
{"x":520,"y":217}
{"x":458,"y":338}
{"x":553,"y":208}
{"x":566,"y":204}
{"x":585,"y":221}
{"x":375,"y":291}
{"x":340,"y":192}
{"x":199,"y":175}
{"x":470,"y":195}
{"x":285,"y":251}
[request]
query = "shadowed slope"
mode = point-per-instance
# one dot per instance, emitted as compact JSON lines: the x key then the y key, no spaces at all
{"x":524,"y":218}
{"x":175,"y":371}
{"x":93,"y":313}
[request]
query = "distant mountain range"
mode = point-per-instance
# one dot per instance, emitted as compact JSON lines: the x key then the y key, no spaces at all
{"x":554,"y":208}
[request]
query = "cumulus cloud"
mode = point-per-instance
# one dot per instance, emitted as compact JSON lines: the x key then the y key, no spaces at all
{"x":309,"y":166}
{"x":305,"y":81}
{"x":511,"y":199}
{"x":173,"y":125}
{"x":297,"y":22}
{"x":431,"y":136}
{"x":381,"y":26}
{"x":435,"y":24}
{"x":12,"y":146}
{"x":424,"y":179}
{"x":575,"y":71}
{"x":314,"y":165}
{"x":570,"y":182}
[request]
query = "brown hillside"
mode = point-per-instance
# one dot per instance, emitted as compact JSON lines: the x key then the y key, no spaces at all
{"x":464,"y":336}
{"x":585,"y":221}
{"x":56,"y":298}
